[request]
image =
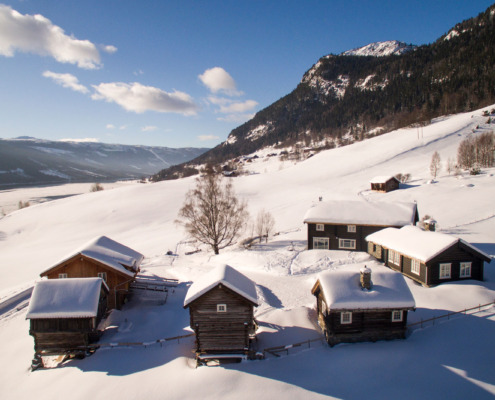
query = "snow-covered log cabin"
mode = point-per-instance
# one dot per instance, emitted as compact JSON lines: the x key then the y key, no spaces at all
{"x":102,"y":257}
{"x":221,"y":307}
{"x":64,"y":314}
{"x":355,"y":305}
{"x":384,"y":183}
{"x":344,"y":225}
{"x":427,"y":257}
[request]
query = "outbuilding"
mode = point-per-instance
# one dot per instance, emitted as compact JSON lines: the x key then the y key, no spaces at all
{"x":102,"y":257}
{"x":384,"y":183}
{"x":344,"y":225}
{"x":427,"y":257}
{"x":362,"y":304}
{"x":221,"y":307}
{"x":64,"y":314}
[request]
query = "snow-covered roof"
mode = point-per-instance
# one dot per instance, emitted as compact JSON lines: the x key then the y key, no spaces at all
{"x":110,"y":253}
{"x":417,"y":243}
{"x":227,"y":276}
{"x":382,"y":179}
{"x":362,"y":213}
{"x":342,"y":290}
{"x":65,"y":298}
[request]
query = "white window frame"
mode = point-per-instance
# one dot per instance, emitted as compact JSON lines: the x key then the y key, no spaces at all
{"x":397,"y":315}
{"x":221,"y":307}
{"x":63,"y":276}
{"x":102,"y":275}
{"x":321,"y":239}
{"x":415,"y":266}
{"x":443,"y":268}
{"x":465,"y":266}
{"x":352,"y":244}
{"x":351,"y":228}
{"x":346,"y":317}
{"x":320,"y":227}
{"x":394,"y":257}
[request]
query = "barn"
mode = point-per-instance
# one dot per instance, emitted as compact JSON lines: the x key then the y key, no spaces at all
{"x":64,"y":314}
{"x":362,"y":304}
{"x":344,"y":225}
{"x":384,"y":183}
{"x":221,"y":307}
{"x":102,"y":257}
{"x":427,"y":257}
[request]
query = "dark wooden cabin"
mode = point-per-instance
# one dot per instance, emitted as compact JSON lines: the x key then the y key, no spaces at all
{"x":221,"y":306}
{"x":64,"y":314}
{"x":115,"y":263}
{"x":356,"y":305}
{"x":344,"y":225}
{"x":427,"y":257}
{"x":384,"y":184}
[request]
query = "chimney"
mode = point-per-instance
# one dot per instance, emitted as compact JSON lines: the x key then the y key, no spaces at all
{"x":430,"y":224}
{"x":366,"y":278}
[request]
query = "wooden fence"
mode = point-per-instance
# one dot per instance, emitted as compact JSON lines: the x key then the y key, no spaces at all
{"x":471,"y":311}
{"x":274,"y":351}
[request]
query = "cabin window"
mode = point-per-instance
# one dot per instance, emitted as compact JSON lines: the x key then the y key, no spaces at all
{"x":346,"y":317}
{"x":320,"y":227}
{"x":102,"y":275}
{"x":321,"y":243}
{"x":351,"y":228}
{"x":396,"y":315}
{"x":221,"y":307}
{"x":465,"y":270}
{"x":445,"y":271}
{"x":323,"y":308}
{"x":394,"y":257}
{"x":62,"y":276}
{"x":347,"y":244}
{"x":415,"y":267}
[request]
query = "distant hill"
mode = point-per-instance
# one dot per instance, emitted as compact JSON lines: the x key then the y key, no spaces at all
{"x":369,"y":91}
{"x":30,"y":161}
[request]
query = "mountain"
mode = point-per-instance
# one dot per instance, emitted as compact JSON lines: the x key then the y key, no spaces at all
{"x":30,"y":161}
{"x":346,"y":98}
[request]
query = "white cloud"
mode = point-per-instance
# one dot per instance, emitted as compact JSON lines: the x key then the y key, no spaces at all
{"x":205,"y":138}
{"x":36,"y":34}
{"x":83,"y":140}
{"x":218,"y":80}
{"x":139,"y":98}
{"x":228,"y":106}
{"x":67,"y":81}
{"x":148,"y":128}
{"x":123,"y":127}
{"x":237,"y":118}
{"x":110,"y":126}
{"x":109,"y":49}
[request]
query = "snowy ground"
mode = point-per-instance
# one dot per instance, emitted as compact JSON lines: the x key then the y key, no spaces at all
{"x":453,"y":358}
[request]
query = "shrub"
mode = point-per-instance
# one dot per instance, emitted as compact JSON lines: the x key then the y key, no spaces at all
{"x":96,"y":187}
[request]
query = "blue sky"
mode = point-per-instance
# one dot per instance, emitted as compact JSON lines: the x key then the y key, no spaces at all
{"x":181,"y":73}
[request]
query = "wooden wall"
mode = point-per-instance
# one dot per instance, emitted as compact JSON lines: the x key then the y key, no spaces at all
{"x":221,"y":332}
{"x":82,"y":267}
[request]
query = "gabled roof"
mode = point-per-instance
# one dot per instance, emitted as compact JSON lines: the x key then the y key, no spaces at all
{"x":383,"y":179}
{"x":362,"y":213}
{"x":342,"y":290}
{"x":66,"y":298}
{"x":108,"y":252}
{"x":417,"y":243}
{"x":227,"y":276}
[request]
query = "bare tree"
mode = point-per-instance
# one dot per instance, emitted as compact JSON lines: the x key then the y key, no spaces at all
{"x":264,"y":224}
{"x":435,"y":164}
{"x":450,"y":166}
{"x":212,"y":214}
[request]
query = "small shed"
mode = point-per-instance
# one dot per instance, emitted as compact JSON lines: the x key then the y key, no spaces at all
{"x":427,"y":257}
{"x":64,"y":314}
{"x":344,"y":225}
{"x":384,"y":183}
{"x":362,"y":304}
{"x":102,"y":257}
{"x":221,"y":307}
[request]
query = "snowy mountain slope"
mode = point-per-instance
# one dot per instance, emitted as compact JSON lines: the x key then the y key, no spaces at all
{"x":142,"y":217}
{"x":381,"y":49}
{"x":27,"y":161}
